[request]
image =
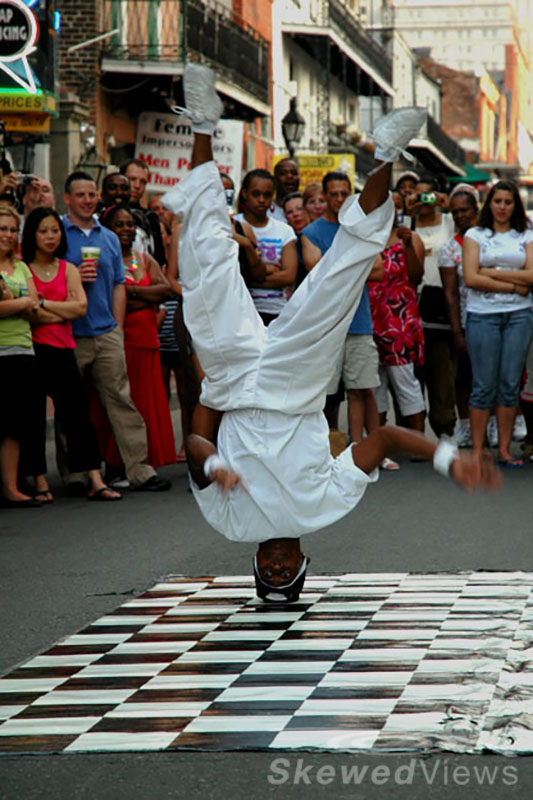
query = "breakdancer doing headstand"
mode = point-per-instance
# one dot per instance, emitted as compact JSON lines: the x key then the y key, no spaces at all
{"x":259,"y":453}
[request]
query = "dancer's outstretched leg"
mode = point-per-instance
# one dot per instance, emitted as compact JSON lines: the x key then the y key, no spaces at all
{"x":304,"y":341}
{"x":227,"y":332}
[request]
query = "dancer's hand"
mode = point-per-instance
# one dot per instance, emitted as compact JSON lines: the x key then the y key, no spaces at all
{"x":471,"y":472}
{"x":226,"y":479}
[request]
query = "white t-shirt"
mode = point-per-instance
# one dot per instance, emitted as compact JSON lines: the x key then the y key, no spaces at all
{"x":293,"y":485}
{"x":277,"y":212}
{"x":271,"y":239}
{"x":433,"y":237}
{"x":505,"y":251}
{"x":451,"y":255}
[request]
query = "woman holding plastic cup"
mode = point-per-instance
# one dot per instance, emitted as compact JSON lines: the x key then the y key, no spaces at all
{"x":62,"y":299}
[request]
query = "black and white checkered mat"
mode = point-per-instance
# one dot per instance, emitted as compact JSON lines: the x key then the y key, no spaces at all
{"x":379,"y":663}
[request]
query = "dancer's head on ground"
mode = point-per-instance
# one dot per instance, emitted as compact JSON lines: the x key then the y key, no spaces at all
{"x":287,"y":177}
{"x":279,"y":569}
{"x":337,"y":187}
{"x":256,"y":195}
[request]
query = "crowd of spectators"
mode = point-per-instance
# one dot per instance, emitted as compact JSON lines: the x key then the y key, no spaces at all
{"x":90,"y":318}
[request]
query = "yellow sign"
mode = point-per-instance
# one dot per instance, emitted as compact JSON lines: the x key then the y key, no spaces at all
{"x":314,"y":166}
{"x":27,"y":123}
{"x":23,"y":102}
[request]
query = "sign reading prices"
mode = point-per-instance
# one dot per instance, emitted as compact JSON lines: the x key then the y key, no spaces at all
{"x":18,"y":34}
{"x":164,"y":143}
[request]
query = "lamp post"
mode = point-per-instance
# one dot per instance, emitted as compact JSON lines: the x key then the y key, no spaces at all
{"x":292,"y":126}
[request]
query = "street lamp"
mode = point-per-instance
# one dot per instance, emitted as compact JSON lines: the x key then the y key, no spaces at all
{"x":292,"y":126}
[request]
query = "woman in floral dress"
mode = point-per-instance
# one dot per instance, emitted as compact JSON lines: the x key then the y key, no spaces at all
{"x":398,"y":328}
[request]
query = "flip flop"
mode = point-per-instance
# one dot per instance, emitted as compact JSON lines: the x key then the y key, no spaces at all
{"x":512,"y":463}
{"x":98,"y":496}
{"x":45,"y":496}
{"x":5,"y":502}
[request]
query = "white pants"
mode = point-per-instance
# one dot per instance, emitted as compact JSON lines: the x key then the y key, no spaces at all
{"x":406,"y":387}
{"x":288,"y":366}
{"x":271,"y":383}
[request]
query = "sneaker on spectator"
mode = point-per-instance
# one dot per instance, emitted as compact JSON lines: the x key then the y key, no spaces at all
{"x":519,"y":428}
{"x":463,"y":434}
{"x":389,"y":465}
{"x":492,"y":432}
{"x":203,"y":106}
{"x":119,"y":483}
{"x":394,"y":131}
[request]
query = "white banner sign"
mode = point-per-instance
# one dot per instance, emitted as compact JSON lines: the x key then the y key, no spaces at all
{"x":164,"y":143}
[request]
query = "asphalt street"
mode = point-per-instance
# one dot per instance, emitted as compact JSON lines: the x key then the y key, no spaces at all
{"x":63,"y":566}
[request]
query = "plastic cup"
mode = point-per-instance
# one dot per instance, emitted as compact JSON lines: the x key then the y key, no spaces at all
{"x":90,"y":256}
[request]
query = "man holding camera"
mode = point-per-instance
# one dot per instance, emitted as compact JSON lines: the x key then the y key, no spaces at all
{"x":435,"y":227}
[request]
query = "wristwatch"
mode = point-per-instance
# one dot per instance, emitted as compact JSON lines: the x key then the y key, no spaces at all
{"x":41,"y":301}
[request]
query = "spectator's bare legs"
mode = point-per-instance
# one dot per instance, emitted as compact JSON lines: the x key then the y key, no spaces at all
{"x":362,"y":413}
{"x":9,"y":460}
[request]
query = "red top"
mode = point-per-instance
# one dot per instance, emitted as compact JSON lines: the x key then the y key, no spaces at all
{"x":140,"y":327}
{"x":54,"y":334}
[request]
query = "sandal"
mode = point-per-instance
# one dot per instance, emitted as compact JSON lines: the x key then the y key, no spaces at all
{"x":99,"y":496}
{"x":44,"y":496}
{"x":512,"y":463}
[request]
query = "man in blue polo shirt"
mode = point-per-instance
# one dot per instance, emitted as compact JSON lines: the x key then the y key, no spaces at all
{"x":358,"y":364}
{"x":99,"y":336}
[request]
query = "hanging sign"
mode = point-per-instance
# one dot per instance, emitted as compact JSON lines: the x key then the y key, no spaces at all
{"x":18,"y":33}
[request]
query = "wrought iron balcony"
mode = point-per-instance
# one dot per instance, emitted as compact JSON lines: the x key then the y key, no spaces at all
{"x":175,"y":30}
{"x":448,"y":147}
{"x":350,"y":29}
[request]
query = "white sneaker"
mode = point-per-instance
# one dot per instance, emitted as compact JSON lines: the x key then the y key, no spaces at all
{"x":519,"y":428}
{"x":394,"y":131}
{"x":492,"y":432}
{"x":389,"y":465}
{"x":119,"y":483}
{"x":463,"y":434}
{"x":203,"y":106}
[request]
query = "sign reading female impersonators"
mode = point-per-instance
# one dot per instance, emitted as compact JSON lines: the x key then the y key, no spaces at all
{"x":164,"y":143}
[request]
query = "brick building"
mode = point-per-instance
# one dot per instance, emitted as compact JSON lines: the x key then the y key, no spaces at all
{"x":135,"y":67}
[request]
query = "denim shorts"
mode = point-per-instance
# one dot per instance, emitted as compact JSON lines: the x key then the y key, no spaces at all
{"x":498,"y":344}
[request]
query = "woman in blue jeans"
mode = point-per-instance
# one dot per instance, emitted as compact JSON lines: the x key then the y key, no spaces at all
{"x":498,"y":271}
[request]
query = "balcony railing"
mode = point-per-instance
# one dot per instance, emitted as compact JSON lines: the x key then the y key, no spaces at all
{"x":349,"y":29}
{"x":173,"y":30}
{"x":453,"y":151}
